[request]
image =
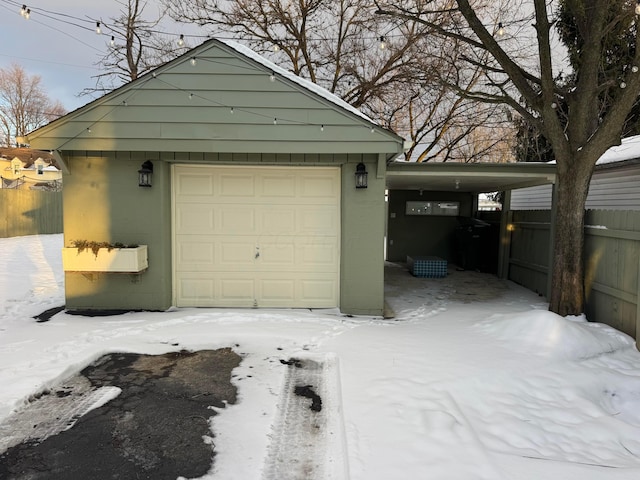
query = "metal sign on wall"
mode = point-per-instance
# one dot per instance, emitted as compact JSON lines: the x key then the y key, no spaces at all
{"x":433,"y":208}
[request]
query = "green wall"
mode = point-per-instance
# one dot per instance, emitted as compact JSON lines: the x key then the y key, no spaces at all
{"x":103,"y":202}
{"x":362,"y":254}
{"x":423,"y":235}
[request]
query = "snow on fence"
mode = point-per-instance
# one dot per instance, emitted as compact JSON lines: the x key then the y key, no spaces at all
{"x":612,"y":262}
{"x":29,"y":212}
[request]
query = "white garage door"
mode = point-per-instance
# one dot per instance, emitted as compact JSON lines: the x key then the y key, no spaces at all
{"x":256,"y":236}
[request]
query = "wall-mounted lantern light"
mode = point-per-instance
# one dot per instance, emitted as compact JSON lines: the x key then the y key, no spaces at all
{"x":145,"y":173}
{"x":361,"y":176}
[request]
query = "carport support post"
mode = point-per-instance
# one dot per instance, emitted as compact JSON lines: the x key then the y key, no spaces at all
{"x":505,"y":236}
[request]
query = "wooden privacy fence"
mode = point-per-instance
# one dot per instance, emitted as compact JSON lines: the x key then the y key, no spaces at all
{"x":29,"y":212}
{"x":612,"y":262}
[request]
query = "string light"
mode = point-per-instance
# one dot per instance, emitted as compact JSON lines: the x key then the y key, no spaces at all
{"x":23,"y":10}
{"x":275,"y":121}
{"x":638,"y":8}
{"x":276,"y":48}
{"x":27,"y":14}
{"x":383,"y":43}
{"x":113,"y":41}
{"x":231,"y":110}
{"x":98,"y":29}
{"x":322,"y":128}
{"x":191,"y":96}
{"x":181,"y":40}
{"x":634,"y":69}
{"x":193,"y":61}
{"x":272,"y":77}
{"x":623,"y":84}
{"x":500,"y":29}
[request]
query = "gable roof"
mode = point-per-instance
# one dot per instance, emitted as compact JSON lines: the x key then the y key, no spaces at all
{"x":28,"y":156}
{"x":218,"y":97}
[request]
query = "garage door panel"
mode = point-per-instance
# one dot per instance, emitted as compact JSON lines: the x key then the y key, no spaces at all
{"x":317,"y":220}
{"x":195,"y":219}
{"x":278,"y":186}
{"x":278,"y":220}
{"x":238,"y":288}
{"x":237,"y":185}
{"x":318,"y":255}
{"x":278,"y":293}
{"x":236,"y":253}
{"x":261,"y":236}
{"x":317,"y":289}
{"x":196,"y":291}
{"x":276,"y":253}
{"x":193,"y":254}
{"x":236,"y":219}
{"x":319,"y":186}
{"x":191,"y":186}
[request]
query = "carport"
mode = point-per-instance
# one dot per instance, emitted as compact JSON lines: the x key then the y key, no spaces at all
{"x":426,"y":202}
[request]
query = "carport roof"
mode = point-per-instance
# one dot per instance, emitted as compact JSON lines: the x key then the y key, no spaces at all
{"x":468,"y":177}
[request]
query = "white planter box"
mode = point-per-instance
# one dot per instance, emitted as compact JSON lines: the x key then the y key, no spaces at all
{"x":123,"y":260}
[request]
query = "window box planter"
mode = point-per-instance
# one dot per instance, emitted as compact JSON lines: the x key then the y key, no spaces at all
{"x":117,"y":260}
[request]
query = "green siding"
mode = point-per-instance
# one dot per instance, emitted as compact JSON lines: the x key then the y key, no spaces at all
{"x":362,"y":253}
{"x":181,"y":107}
{"x":102,"y":202}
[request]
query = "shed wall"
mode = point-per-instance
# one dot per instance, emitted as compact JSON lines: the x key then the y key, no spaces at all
{"x":423,"y":235}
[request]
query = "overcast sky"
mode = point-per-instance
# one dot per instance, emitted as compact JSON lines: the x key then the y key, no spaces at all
{"x":63,"y":55}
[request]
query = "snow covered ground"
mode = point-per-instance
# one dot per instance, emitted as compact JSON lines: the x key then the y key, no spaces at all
{"x":474,"y":379}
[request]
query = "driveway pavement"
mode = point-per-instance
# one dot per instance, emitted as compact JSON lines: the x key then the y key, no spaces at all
{"x":152,"y":429}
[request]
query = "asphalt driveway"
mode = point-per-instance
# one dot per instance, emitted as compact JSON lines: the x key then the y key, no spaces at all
{"x":152,"y":429}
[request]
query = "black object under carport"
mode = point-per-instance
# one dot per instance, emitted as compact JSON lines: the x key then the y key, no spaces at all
{"x":476,"y":245}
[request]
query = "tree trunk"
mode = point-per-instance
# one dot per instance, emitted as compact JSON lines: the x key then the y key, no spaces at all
{"x":567,"y":283}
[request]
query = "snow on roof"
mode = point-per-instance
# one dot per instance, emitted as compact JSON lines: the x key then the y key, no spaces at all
{"x":628,"y":149}
{"x":309,"y":85}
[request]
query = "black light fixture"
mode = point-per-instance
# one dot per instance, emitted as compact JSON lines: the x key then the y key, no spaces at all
{"x":145,"y":173}
{"x":361,"y":176}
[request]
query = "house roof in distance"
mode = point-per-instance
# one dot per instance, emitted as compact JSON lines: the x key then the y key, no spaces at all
{"x":28,"y":156}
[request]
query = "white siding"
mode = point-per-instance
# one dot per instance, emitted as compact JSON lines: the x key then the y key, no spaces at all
{"x":611,"y":189}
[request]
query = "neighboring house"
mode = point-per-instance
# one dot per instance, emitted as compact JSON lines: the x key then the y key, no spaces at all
{"x":615,"y":184}
{"x":26,"y":168}
{"x":253,"y":199}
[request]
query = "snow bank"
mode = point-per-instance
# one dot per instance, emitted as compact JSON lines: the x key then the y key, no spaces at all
{"x":544,"y":333}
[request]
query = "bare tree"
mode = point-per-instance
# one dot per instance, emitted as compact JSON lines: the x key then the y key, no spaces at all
{"x":597,"y":105}
{"x":24,"y":105}
{"x":387,"y":67}
{"x":135,"y":47}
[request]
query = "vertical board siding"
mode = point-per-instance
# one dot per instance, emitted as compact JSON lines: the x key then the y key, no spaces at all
{"x":29,"y":212}
{"x":612,"y":260}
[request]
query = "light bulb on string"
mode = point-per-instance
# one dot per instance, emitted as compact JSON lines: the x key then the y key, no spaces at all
{"x":23,"y":11}
{"x":275,"y":121}
{"x":638,"y":8}
{"x":98,"y":29}
{"x":383,"y":43}
{"x":322,"y":128}
{"x":231,"y":110}
{"x":634,"y":69}
{"x":276,"y":48}
{"x":272,"y":77}
{"x":112,"y":42}
{"x":623,"y":84}
{"x":500,"y":29}
{"x":193,"y":61}
{"x":181,"y":40}
{"x":27,"y":14}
